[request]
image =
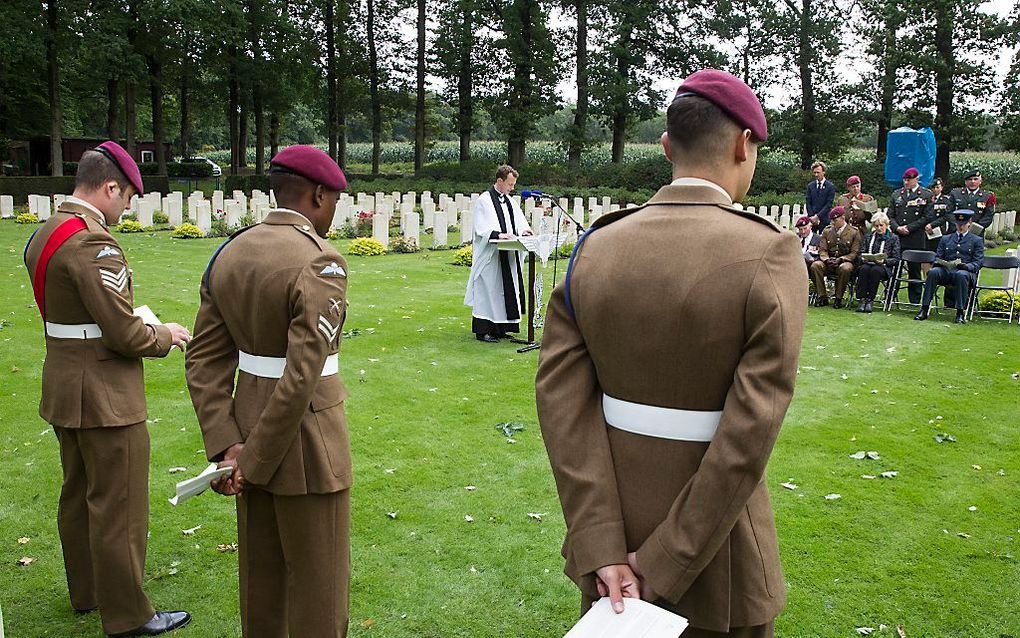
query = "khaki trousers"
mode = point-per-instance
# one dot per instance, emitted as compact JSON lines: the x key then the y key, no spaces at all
{"x":103,"y":520}
{"x":294,"y":564}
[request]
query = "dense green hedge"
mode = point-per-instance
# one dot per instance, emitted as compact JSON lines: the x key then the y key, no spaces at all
{"x":21,"y":187}
{"x":190,"y":170}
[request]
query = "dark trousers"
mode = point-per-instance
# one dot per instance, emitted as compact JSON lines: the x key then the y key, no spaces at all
{"x":868,"y":277}
{"x":103,"y":521}
{"x":960,"y":280}
{"x":481,"y":327}
{"x":294,"y":563}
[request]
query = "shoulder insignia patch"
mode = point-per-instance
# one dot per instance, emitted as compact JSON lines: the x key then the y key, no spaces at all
{"x":333,"y":270}
{"x":328,"y":330}
{"x":114,"y":280}
{"x":108,"y":251}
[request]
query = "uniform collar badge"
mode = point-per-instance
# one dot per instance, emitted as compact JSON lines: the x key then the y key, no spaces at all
{"x":333,"y":269}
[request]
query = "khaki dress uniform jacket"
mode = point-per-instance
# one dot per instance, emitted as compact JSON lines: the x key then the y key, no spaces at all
{"x":93,"y":394}
{"x":664,"y":316}
{"x":857,"y":210}
{"x":846,"y":246}
{"x":277,"y":290}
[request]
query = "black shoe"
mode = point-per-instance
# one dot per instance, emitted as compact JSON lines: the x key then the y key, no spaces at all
{"x":838,"y":303}
{"x":861,"y":307}
{"x":487,"y":338}
{"x":822,"y":301}
{"x":868,"y":307}
{"x":960,"y":318}
{"x":82,"y":612}
{"x":161,"y":623}
{"x":922,"y":315}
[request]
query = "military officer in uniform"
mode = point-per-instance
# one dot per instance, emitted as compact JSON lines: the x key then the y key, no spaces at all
{"x":859,"y":206}
{"x":273,"y":302}
{"x":942,"y":208}
{"x":910,"y":211}
{"x":973,"y":197}
{"x":659,"y":465}
{"x":959,"y":258}
{"x":93,"y":394}
{"x":838,"y":251}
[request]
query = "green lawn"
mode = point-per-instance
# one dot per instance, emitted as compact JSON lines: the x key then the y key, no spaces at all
{"x":425,"y":401}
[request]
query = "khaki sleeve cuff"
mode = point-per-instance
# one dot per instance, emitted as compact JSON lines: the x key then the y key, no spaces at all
{"x":254,"y":469}
{"x":668,"y":579}
{"x":163,"y":339}
{"x":597,"y":546}
{"x":217,"y":443}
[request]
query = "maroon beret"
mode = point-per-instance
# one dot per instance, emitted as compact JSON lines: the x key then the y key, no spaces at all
{"x":911,"y":173}
{"x":803,"y":221}
{"x":836,"y":211}
{"x":853,"y":179}
{"x":311,"y":163}
{"x":116,"y":154}
{"x":731,"y":95}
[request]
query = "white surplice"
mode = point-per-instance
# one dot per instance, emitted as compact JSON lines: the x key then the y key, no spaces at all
{"x":485,"y":292}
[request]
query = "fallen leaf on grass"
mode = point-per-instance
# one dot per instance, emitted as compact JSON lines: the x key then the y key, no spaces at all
{"x":24,"y":540}
{"x":976,"y":467}
{"x":191,"y":531}
{"x":865,"y":631}
{"x":469,"y":519}
{"x":833,"y":497}
{"x":25,"y":561}
{"x":470,"y":488}
{"x":963,"y":535}
{"x":177,"y":470}
{"x":890,"y":474}
{"x":390,"y":470}
{"x":943,"y":438}
{"x":226,"y":548}
{"x":535,"y":516}
{"x":861,"y":455}
{"x":392,"y":515}
{"x":789,"y":486}
{"x":509,"y":428}
{"x":972,"y":508}
{"x":867,"y":476}
{"x":368,"y":622}
{"x":899,"y":630}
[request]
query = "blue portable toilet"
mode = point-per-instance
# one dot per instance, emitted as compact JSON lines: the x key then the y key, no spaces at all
{"x":906,"y":147}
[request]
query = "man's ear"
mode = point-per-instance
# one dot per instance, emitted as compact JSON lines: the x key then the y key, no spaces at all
{"x":319,"y":195}
{"x":741,"y":146}
{"x":665,"y":146}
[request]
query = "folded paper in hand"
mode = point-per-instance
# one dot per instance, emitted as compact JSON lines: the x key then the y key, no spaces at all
{"x":877,"y":258}
{"x":197,"y":485}
{"x":949,"y":265}
{"x":148,"y":316}
{"x":935,"y":233}
{"x":638,"y":620}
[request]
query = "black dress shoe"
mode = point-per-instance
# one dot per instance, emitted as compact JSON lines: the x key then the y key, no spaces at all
{"x":960,"y":318}
{"x":822,"y":301}
{"x":488,"y":338}
{"x":922,"y":315}
{"x":161,"y":623}
{"x":837,"y":304}
{"x":868,"y":307}
{"x":861,"y":307}
{"x":85,"y":611}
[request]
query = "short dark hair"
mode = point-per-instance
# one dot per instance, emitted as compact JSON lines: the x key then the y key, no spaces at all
{"x":95,"y":170}
{"x":505,"y":171}
{"x":694,"y":126}
{"x":289,"y":187}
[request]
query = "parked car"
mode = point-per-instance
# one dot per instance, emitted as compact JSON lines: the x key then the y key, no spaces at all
{"x":216,"y":170}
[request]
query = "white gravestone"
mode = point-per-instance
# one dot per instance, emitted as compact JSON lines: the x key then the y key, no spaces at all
{"x":145,"y":211}
{"x":203,"y":215}
{"x":44,"y":206}
{"x":439,"y":230}
{"x":175,"y":211}
{"x":381,"y":228}
{"x":233,"y":213}
{"x":466,"y":221}
{"x":6,"y":206}
{"x":412,"y":226}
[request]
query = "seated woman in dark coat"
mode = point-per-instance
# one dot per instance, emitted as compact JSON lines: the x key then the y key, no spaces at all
{"x":879,"y":242}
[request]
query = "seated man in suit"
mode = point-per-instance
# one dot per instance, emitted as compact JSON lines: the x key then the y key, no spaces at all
{"x":838,"y":251}
{"x":958,"y":259}
{"x":808,"y":240}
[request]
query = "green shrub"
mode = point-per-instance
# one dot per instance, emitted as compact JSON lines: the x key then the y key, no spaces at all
{"x":334,"y":234}
{"x":403,"y":244}
{"x":366,"y":247}
{"x":160,"y":218}
{"x":26,"y":218}
{"x":997,"y":301}
{"x":187,"y":231}
{"x":462,"y":257}
{"x":346,"y":231}
{"x":246,"y":220}
{"x":129,"y":217}
{"x":218,"y":227}
{"x":130,"y":226}
{"x":990,"y":244}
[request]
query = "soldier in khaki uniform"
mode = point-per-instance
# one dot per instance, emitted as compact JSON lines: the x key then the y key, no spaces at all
{"x":273,"y":304}
{"x":838,"y":252}
{"x":664,"y":377}
{"x":859,"y":206}
{"x":93,"y":394}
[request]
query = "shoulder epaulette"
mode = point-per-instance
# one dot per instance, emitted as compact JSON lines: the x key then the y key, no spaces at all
{"x":738,"y":210}
{"x":310,"y":233}
{"x":233,"y":236}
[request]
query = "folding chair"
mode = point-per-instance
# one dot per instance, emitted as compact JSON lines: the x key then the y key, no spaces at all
{"x":1001,"y":264}
{"x":901,"y":276}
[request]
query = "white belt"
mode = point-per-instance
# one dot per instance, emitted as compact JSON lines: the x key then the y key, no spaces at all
{"x":73,"y":331}
{"x":272,"y":367}
{"x":663,"y":423}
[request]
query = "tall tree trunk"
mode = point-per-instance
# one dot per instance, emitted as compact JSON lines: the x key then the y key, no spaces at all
{"x":156,"y":95}
{"x":465,"y":104}
{"x":341,"y":100}
{"x":522,"y":90}
{"x":944,"y":73}
{"x":805,"y":60}
{"x":419,"y":105}
{"x":260,"y":129}
{"x":186,"y":104}
{"x":373,"y":71}
{"x":232,"y":110}
{"x":53,"y":75}
{"x":4,"y":117}
{"x":112,"y":109}
{"x":888,"y":84}
{"x":257,"y":99}
{"x":274,"y":133}
{"x":130,"y":118}
{"x":331,"y":84}
{"x":242,"y":142}
{"x":621,"y":111}
{"x":579,"y":133}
